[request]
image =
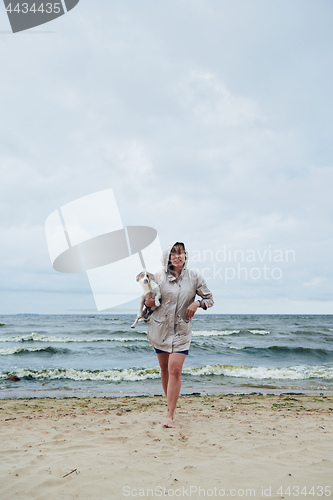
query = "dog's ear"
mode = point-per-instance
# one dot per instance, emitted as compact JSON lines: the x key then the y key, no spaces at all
{"x":150,"y":276}
{"x":139,"y":276}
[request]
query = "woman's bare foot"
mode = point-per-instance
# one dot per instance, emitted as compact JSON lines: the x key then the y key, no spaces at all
{"x":170,"y":421}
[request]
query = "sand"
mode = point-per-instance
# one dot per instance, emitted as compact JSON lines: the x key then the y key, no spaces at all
{"x":249,"y":446}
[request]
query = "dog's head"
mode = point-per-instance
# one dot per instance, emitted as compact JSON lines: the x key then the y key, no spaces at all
{"x":144,"y":277}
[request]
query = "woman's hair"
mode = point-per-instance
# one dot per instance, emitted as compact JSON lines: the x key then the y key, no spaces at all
{"x":178,"y":247}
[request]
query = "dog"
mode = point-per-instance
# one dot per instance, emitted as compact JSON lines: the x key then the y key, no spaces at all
{"x":148,"y":284}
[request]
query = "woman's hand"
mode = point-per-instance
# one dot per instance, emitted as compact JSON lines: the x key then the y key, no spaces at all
{"x":150,"y":302}
{"x":192,"y":309}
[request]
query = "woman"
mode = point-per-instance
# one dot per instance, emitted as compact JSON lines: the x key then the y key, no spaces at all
{"x":170,"y":325}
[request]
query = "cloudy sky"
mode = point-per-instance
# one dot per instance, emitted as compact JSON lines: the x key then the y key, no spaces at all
{"x":211,"y":121}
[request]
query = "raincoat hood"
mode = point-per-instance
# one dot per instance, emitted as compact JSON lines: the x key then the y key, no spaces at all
{"x":166,"y":255}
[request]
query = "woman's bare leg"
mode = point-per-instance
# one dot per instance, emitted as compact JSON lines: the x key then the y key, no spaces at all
{"x":175,"y":366}
{"x":163,"y":359}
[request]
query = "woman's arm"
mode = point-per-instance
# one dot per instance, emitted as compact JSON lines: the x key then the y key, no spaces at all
{"x":207,"y":297}
{"x":192,"y":309}
{"x":204,"y":292}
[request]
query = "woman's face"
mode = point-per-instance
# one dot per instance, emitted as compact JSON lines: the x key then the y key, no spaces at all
{"x":177,"y":259}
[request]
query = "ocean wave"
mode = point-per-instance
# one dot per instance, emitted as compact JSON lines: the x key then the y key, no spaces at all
{"x":99,"y":331}
{"x":211,"y":333}
{"x":260,"y":372}
{"x":139,"y":374}
{"x":126,"y":374}
{"x":24,"y":350}
{"x":258,"y":332}
{"x":283,"y":349}
{"x":319,"y":331}
{"x":38,"y":337}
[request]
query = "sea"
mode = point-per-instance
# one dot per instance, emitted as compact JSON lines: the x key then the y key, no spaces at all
{"x":90,"y":355}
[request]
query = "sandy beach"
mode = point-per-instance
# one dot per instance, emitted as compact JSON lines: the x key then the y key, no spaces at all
{"x":236,"y":446}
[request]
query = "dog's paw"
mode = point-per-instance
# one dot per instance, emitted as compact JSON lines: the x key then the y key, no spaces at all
{"x":157,"y":303}
{"x":133,"y":326}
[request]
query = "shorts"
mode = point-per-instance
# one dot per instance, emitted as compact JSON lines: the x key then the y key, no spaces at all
{"x":158,"y":351}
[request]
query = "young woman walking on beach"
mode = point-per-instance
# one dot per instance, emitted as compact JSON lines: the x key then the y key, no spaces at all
{"x":170,"y":325}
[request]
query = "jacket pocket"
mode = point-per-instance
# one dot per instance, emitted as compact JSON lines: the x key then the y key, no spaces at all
{"x":184,"y":326}
{"x":157,"y":329}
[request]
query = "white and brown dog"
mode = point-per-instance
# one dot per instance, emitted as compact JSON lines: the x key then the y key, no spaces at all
{"x":148,"y":284}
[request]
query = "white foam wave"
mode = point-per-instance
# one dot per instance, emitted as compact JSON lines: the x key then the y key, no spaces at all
{"x":139,"y":374}
{"x":37,"y":337}
{"x":211,"y":333}
{"x":127,"y":374}
{"x":259,"y":332}
{"x":252,"y":372}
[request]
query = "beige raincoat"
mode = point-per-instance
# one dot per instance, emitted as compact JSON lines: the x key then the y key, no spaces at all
{"x":169,"y":330}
